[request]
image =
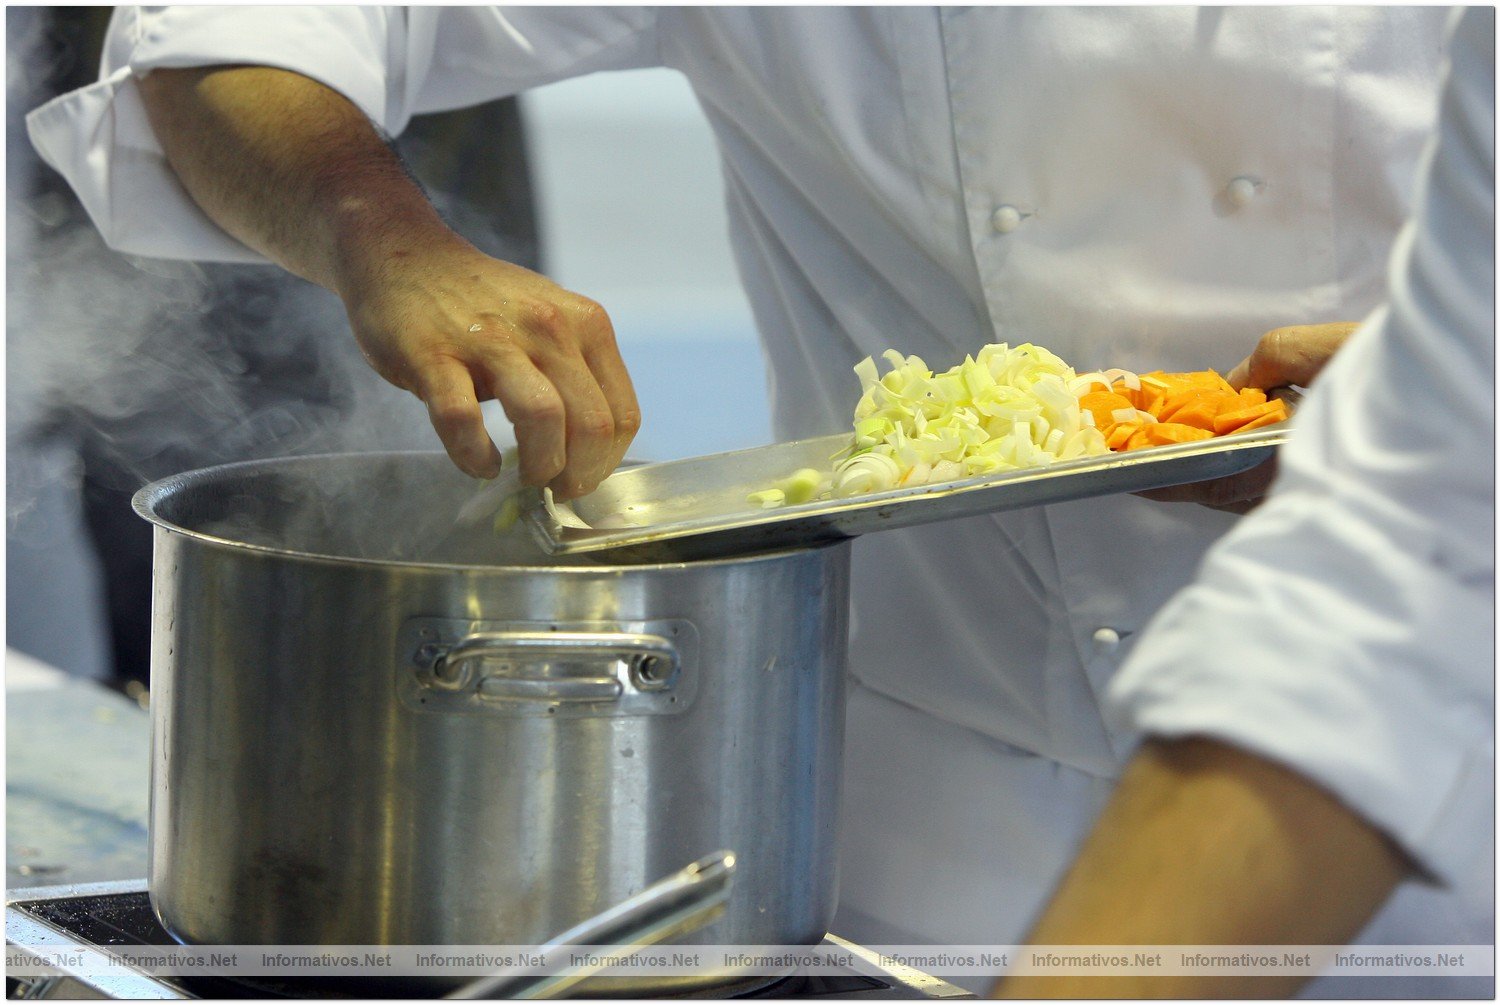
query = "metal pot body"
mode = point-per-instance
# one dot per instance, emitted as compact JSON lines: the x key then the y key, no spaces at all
{"x":357,"y":744}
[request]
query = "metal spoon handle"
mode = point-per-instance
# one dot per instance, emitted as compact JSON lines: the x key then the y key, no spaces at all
{"x":673,"y":906}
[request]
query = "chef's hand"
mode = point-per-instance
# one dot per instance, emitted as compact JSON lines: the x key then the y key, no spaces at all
{"x":294,"y":170}
{"x":1282,"y":358}
{"x":455,"y":327}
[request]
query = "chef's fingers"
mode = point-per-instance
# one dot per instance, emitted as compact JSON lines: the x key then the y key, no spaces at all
{"x":1291,"y":355}
{"x":589,"y":426}
{"x":602,"y":355}
{"x":564,"y":426}
{"x":532,"y":403}
{"x":447,"y":388}
{"x":1238,"y":493}
{"x":571,"y":341}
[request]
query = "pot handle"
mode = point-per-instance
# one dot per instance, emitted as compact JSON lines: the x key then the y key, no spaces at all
{"x":616,"y":662}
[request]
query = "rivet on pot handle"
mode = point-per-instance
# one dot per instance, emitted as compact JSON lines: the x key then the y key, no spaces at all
{"x":648,"y":662}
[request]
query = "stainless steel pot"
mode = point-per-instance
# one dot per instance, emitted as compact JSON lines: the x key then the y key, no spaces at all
{"x":375,"y":726}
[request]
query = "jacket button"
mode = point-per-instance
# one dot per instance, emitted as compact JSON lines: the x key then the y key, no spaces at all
{"x":1240,"y":191}
{"x":1005,"y":219}
{"x":1106,"y":641}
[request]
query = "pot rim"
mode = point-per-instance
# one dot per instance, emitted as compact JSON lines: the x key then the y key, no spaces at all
{"x":146,"y":500}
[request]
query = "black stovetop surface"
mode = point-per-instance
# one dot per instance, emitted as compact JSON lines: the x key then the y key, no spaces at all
{"x":126,"y":919}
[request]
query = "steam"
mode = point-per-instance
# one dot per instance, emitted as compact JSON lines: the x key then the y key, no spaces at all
{"x":162,"y":366}
{"x":150,"y":368}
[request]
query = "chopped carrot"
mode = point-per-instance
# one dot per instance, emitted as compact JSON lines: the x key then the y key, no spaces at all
{"x":1120,"y":434}
{"x":1268,"y":419}
{"x":1187,"y":406}
{"x":1104,"y":404}
{"x":1199,"y":412}
{"x":1172,"y":401}
{"x":1202,"y":400}
{"x":1160,"y":433}
{"x":1147,"y":398}
{"x":1230,"y":422}
{"x":1153,"y":387}
{"x":1157,"y":434}
{"x":1208,"y":379}
{"x":1252,"y":395}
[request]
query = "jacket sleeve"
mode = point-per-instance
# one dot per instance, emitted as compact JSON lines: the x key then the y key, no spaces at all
{"x":1347,"y":628}
{"x":391,"y":62}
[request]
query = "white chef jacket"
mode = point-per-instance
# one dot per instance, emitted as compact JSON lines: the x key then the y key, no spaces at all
{"x":1347,"y":628}
{"x":1128,"y":187}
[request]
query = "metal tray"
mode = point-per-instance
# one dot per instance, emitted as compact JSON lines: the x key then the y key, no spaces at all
{"x":698,"y":508}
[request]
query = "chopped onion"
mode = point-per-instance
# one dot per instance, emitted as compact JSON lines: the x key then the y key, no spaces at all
{"x":1081,"y":384}
{"x":1127,"y":377}
{"x":768,"y":498}
{"x":508,"y":513}
{"x":866,"y":472}
{"x":801,"y":486}
{"x":1000,"y":409}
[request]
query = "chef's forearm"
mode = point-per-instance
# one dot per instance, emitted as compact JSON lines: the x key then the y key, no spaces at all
{"x":290,"y":167}
{"x":1206,"y":844}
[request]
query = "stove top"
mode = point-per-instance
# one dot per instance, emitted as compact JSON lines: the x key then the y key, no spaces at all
{"x":101,"y":915}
